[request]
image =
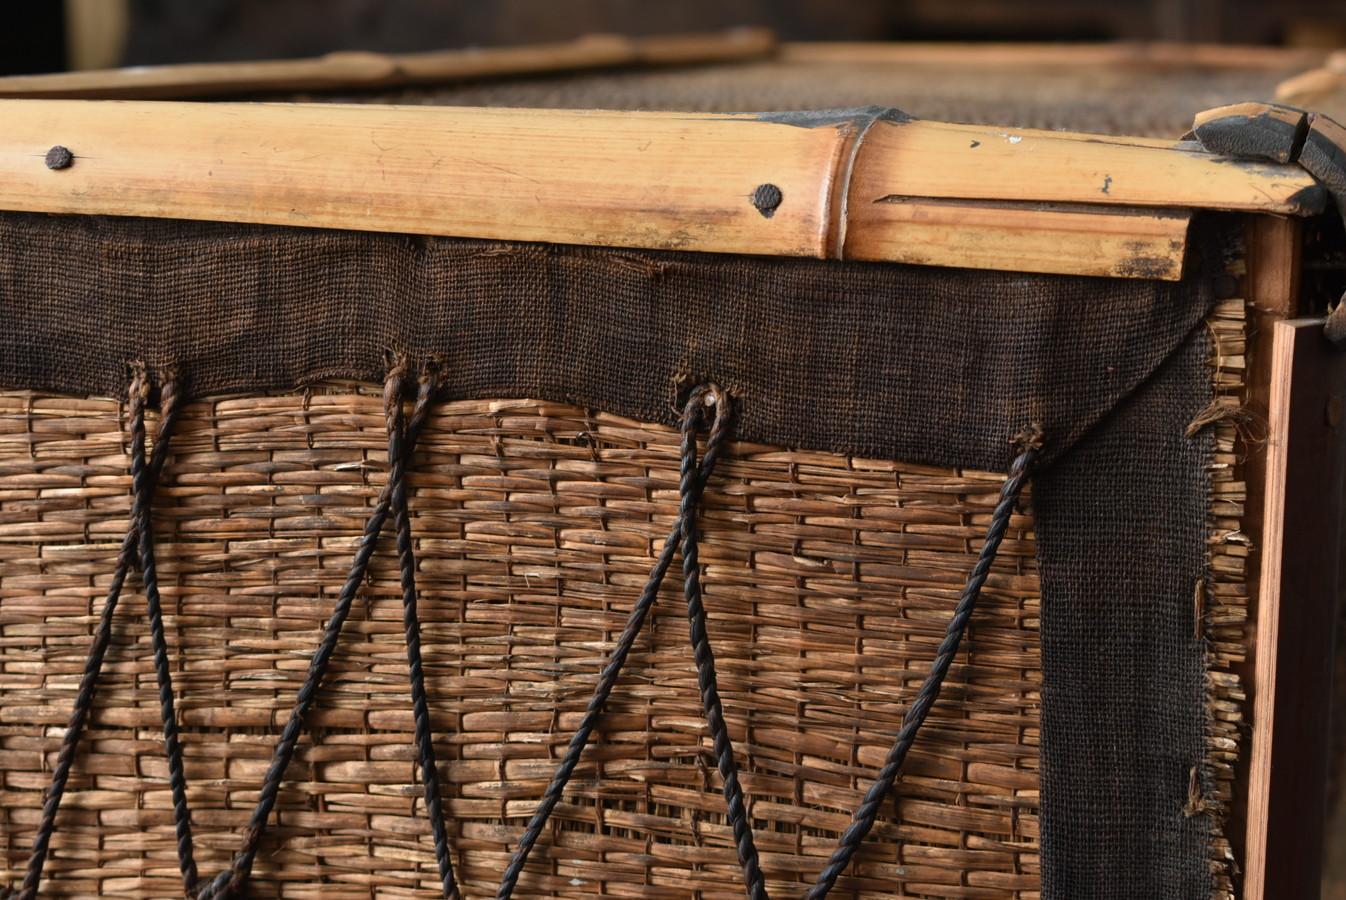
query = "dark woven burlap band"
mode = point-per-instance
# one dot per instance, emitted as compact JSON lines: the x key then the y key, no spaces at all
{"x":923,"y":365}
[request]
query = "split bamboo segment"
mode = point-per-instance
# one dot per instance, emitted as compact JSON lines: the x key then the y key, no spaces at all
{"x":834,"y":184}
{"x":356,"y":70}
{"x":536,"y":525}
{"x":1118,"y":242}
{"x":983,"y":162}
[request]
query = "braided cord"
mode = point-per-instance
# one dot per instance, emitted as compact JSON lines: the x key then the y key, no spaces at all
{"x":93,"y":663}
{"x":399,"y":461}
{"x":142,"y":484}
{"x":612,"y":669}
{"x":233,"y":880}
{"x":705,"y":656}
{"x":868,"y":810}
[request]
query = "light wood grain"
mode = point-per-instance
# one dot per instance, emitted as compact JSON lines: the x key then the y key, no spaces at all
{"x":1297,"y":591}
{"x":643,"y":180}
{"x":1271,"y":287}
{"x":354,"y":70}
{"x":933,"y":159}
{"x":624,"y":179}
{"x":1074,"y":240}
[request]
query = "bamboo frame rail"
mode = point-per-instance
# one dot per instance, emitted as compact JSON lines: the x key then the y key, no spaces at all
{"x":357,"y":70}
{"x":1110,"y":54}
{"x":362,"y":71}
{"x":864,"y":184}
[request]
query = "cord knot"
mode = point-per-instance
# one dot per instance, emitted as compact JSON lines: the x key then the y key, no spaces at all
{"x":1030,"y":437}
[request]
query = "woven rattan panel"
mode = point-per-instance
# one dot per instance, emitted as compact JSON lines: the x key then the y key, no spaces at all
{"x":829,"y":582}
{"x":1112,"y":100}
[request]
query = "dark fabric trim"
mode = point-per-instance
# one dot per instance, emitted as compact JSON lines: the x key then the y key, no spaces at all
{"x":1121,"y":528}
{"x":941,"y":366}
{"x":924,"y":365}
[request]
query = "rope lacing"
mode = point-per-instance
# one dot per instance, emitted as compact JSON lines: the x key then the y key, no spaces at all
{"x":403,"y":433}
{"x":402,"y":438}
{"x":137,"y":549}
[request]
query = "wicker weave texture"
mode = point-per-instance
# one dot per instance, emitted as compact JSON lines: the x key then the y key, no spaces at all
{"x":1224,"y":601}
{"x":828,"y":580}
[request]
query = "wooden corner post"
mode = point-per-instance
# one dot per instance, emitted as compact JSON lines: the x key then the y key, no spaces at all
{"x":1297,"y":601}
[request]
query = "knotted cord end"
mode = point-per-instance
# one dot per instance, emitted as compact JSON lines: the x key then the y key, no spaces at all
{"x":1030,"y":437}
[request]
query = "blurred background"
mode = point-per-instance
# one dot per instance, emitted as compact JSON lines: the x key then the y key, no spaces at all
{"x":84,"y":34}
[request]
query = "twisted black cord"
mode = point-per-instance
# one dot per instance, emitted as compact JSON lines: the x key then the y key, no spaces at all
{"x":233,"y":880}
{"x":93,"y":663}
{"x":612,"y":669}
{"x":705,"y":656}
{"x":863,"y":819}
{"x":399,"y":461}
{"x":142,"y":484}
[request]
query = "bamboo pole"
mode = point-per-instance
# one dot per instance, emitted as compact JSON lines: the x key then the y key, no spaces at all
{"x":851,"y":184}
{"x":1091,"y":56}
{"x":935,"y":159}
{"x":359,"y":70}
{"x":1119,"y":242}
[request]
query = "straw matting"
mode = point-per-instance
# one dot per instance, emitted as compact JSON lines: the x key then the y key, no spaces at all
{"x":829,"y":583}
